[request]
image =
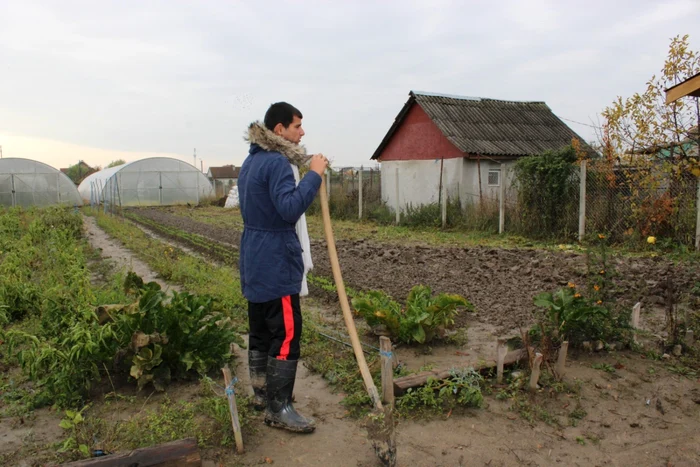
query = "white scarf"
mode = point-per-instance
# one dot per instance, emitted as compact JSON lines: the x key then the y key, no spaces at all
{"x":303,"y":235}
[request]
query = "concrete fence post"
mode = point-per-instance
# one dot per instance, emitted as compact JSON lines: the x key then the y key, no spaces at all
{"x":398,"y":212}
{"x":359,"y":202}
{"x":502,"y":200}
{"x":582,"y":203}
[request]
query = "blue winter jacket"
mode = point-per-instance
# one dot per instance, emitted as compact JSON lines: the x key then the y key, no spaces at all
{"x":271,"y":264}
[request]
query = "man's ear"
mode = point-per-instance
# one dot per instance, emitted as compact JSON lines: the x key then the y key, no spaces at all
{"x":279,"y":128}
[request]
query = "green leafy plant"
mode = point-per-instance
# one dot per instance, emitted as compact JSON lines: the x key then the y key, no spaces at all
{"x":461,"y":388}
{"x":569,"y":316}
{"x":168,"y":338}
{"x":75,"y":442}
{"x":424,"y":317}
{"x":604,"y":367}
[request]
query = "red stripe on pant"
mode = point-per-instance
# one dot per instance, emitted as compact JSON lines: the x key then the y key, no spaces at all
{"x":288,"y":316}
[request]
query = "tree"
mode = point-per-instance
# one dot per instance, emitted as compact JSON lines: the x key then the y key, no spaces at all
{"x":644,"y":123}
{"x":78,"y":172}
{"x":116,"y":163}
{"x":650,"y":152}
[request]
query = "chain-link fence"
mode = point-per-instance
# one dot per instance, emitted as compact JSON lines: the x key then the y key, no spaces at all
{"x":628,"y":204}
{"x":631,"y":203}
{"x":345,"y":198}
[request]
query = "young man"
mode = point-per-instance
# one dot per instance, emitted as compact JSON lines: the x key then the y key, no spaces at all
{"x":273,"y":263}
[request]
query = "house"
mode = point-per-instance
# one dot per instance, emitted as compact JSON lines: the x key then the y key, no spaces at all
{"x":470,"y":138}
{"x":223,"y":178}
{"x":79,"y":171}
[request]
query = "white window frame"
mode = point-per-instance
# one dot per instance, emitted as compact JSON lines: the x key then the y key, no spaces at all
{"x":488,"y":177}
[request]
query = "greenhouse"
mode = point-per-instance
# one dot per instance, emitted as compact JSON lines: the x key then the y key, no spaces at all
{"x":147,"y":182}
{"x":25,"y":182}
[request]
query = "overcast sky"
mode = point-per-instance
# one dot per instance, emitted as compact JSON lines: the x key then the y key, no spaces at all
{"x":100,"y":80}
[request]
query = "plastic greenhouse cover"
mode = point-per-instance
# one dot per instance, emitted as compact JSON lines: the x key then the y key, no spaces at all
{"x":26,"y":182}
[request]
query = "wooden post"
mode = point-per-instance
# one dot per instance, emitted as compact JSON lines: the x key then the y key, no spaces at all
{"x":233,"y":409}
{"x":387,"y":371}
{"x":443,"y":199}
{"x":501,"y":352}
{"x":634,"y":320}
{"x":582,"y":203}
{"x":561,"y":360}
{"x":359,"y":215}
{"x":689,"y":338}
{"x":535,"y":375}
{"x":502,"y":200}
{"x":398,"y":213}
{"x":402,"y":384}
{"x":697,"y":219}
{"x":181,"y":453}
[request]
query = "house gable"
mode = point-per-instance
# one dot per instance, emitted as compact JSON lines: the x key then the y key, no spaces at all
{"x":418,"y":138}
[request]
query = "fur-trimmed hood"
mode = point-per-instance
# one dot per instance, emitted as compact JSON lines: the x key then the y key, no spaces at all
{"x":260,"y":135}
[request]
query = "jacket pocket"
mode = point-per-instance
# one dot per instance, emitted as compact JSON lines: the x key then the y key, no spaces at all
{"x":295,"y":261}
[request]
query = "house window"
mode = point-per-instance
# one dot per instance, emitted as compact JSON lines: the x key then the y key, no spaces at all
{"x":494,"y":177}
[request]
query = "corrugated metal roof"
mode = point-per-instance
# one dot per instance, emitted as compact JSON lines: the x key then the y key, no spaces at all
{"x":479,"y":126}
{"x":227,"y":171}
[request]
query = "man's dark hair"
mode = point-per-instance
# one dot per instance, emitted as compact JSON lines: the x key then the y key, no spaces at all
{"x":281,"y":112}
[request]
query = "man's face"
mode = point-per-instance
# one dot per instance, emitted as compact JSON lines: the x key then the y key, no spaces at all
{"x":293,"y":132}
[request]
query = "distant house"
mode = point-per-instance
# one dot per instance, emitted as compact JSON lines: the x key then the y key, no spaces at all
{"x":223,"y":178}
{"x":78,"y":172}
{"x":469,"y":137}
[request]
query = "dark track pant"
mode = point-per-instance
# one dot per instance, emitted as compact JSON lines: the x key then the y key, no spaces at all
{"x":275,"y":327}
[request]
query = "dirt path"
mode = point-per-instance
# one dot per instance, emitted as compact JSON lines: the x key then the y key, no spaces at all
{"x":123,"y":259}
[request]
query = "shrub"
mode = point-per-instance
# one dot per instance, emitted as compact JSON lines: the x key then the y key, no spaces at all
{"x":548,"y":190}
{"x":570,"y":316}
{"x":164,"y":339}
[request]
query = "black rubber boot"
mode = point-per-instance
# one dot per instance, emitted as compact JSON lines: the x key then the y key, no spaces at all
{"x":280,"y":385}
{"x":257,"y":364}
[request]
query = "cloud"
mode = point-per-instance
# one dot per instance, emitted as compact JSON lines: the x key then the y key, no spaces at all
{"x":640,"y":21}
{"x":569,"y":60}
{"x":59,"y":154}
{"x":168,"y":76}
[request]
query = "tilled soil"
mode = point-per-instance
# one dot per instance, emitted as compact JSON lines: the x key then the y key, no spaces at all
{"x":500,"y":282}
{"x":164,"y":217}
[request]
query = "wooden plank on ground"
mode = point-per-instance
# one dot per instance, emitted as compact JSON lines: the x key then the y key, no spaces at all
{"x":419,"y":379}
{"x":180,"y":453}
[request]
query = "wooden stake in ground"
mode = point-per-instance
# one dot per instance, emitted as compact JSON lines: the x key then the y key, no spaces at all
{"x":502,"y":351}
{"x":561,"y":360}
{"x":387,"y":371}
{"x":535,"y":375}
{"x":382,"y":430}
{"x":233,"y":409}
{"x":634,"y":320}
